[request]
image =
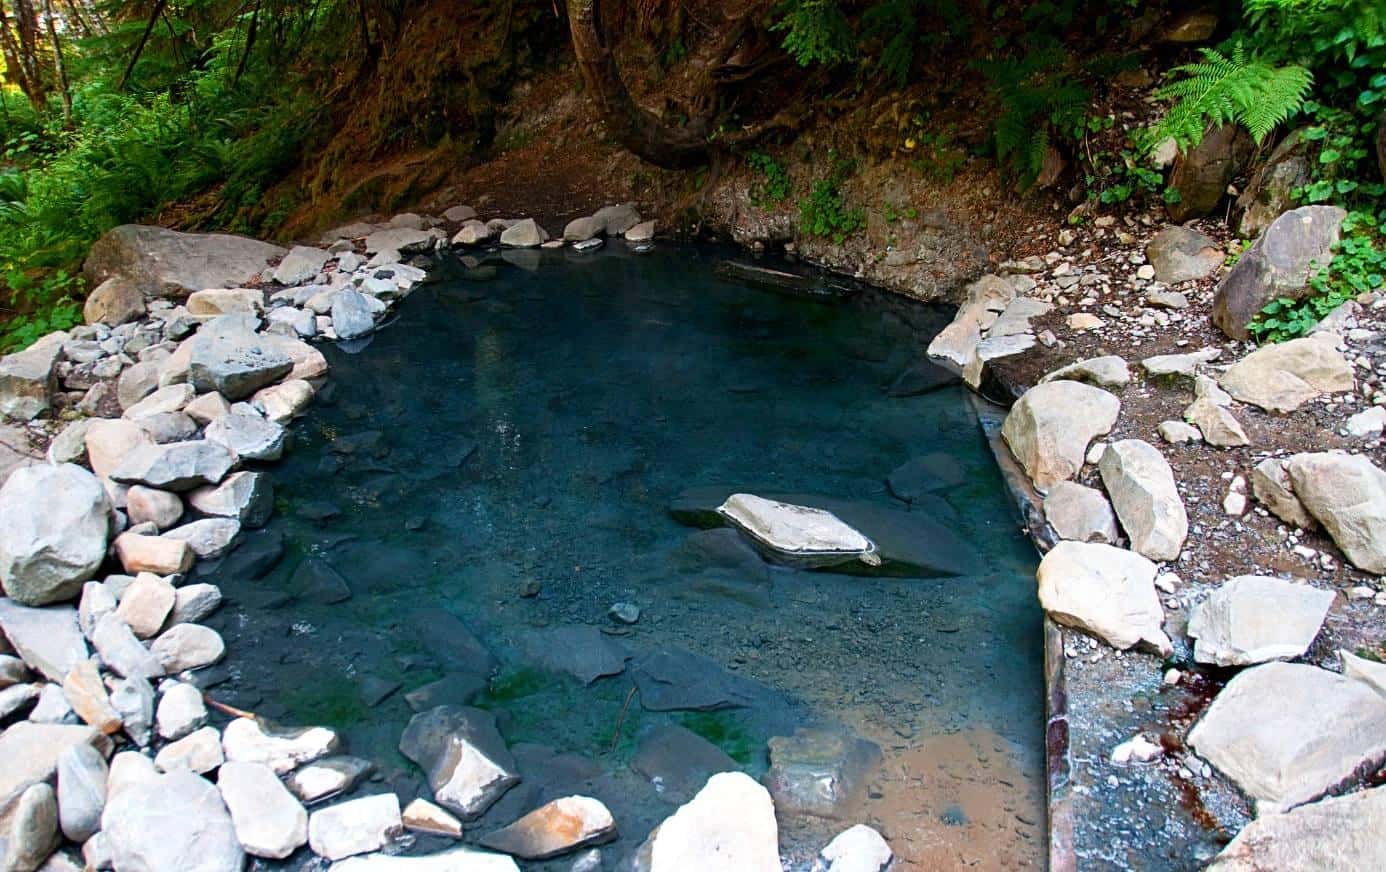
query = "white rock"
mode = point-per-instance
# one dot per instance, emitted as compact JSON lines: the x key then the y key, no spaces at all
{"x":248,"y":435}
{"x":82,"y":773}
{"x":1367,"y":424}
{"x":248,"y":497}
{"x":857,"y":849}
{"x":1347,"y":494}
{"x":1251,"y":619}
{"x":188,"y":646}
{"x":54,"y":527}
{"x":150,"y":505}
{"x":209,"y":538}
{"x":354,"y":827}
{"x":1185,"y":364}
{"x":247,"y":740}
{"x":199,"y":751}
{"x":1178,"y":432}
{"x":31,"y":830}
{"x":729,"y":824}
{"x":1103,"y":590}
{"x":1104,"y":372}
{"x":300,"y":265}
{"x":555,"y":828}
{"x":1080,"y":513}
{"x":1284,"y":376}
{"x":48,"y":638}
{"x":181,"y":710}
{"x":175,"y":821}
{"x":285,"y":401}
{"x":1141,"y":485}
{"x":1342,"y":834}
{"x":167,"y":399}
{"x":422,"y":816}
{"x":194,"y":602}
{"x":797,"y":531}
{"x":1137,"y":749}
{"x":1049,"y":428}
{"x":269,"y":821}
{"x":146,"y":604}
{"x":1286,"y":732}
{"x":327,"y":777}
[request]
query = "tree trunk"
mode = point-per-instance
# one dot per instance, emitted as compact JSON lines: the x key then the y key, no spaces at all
{"x":139,"y":48}
{"x":58,"y":66}
{"x":19,"y":41}
{"x":635,"y":128}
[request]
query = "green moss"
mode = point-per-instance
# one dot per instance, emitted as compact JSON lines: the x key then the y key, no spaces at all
{"x":332,"y":701}
{"x":723,"y":730}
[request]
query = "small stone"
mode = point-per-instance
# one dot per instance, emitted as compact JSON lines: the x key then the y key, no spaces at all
{"x":181,"y":710}
{"x":1084,"y":321}
{"x":121,"y":651}
{"x":82,"y":774}
{"x":422,"y":816}
{"x":156,"y":554}
{"x":1185,"y":365}
{"x":146,"y":605}
{"x":188,"y":646}
{"x":327,"y":777}
{"x":282,"y":749}
{"x":1137,"y":749}
{"x":199,"y":751}
{"x":87,"y":695}
{"x":1367,"y":424}
{"x":193,"y":602}
{"x":624,"y":613}
{"x":149,"y":505}
{"x":354,"y":827}
{"x":1178,"y":432}
{"x":1104,"y":372}
{"x":133,"y":699}
{"x":208,"y":538}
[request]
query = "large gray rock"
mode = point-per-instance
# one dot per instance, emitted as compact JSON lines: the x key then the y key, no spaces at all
{"x":678,"y":761}
{"x":209,"y":538}
{"x":188,"y":646}
{"x":404,"y":240}
{"x":798,"y":533}
{"x":1272,"y":487}
{"x":1141,"y":485}
{"x":1182,"y":254}
{"x":355,"y":827}
{"x":1347,"y":494}
{"x":1049,"y":428}
{"x":1340,"y":834}
{"x":523,"y":234}
{"x":1080,"y":513}
{"x":554,"y":828}
{"x":1103,"y":590}
{"x":247,"y":497}
{"x":54,"y":525}
{"x":300,"y":264}
{"x":1270,"y":193}
{"x":235,"y":362}
{"x":1286,"y":733}
{"x":1283,"y":377}
{"x":730,"y":824}
{"x":48,"y":639}
{"x":461,"y":751}
{"x":269,"y":821}
{"x":114,"y":301}
{"x":168,"y":263}
{"x":1252,"y":619}
{"x":174,"y":821}
{"x":176,"y":466}
{"x":82,"y":773}
{"x":616,"y":220}
{"x":819,"y":772}
{"x":352,"y":316}
{"x":955,"y":346}
{"x":1279,"y":264}
{"x":29,"y":378}
{"x":122,"y":651}
{"x":248,"y":435}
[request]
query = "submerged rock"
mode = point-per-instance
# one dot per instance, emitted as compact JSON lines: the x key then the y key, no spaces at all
{"x":673,"y":679}
{"x":819,"y":772}
{"x":1251,"y":619}
{"x":555,"y":828}
{"x":1286,"y":733}
{"x":461,"y":751}
{"x":326,"y":777}
{"x":857,"y":849}
{"x":730,"y":824}
{"x":584,"y":652}
{"x":678,"y":761}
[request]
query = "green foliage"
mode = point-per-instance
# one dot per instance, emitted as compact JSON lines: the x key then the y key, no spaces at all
{"x":1235,"y":88}
{"x":1358,"y":267}
{"x":938,"y":157}
{"x":824,"y":211}
{"x":775,"y":185}
{"x":1037,"y":101}
{"x":815,"y":32}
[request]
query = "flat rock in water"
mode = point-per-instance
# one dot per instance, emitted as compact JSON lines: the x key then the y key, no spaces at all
{"x":819,"y":772}
{"x":1285,"y":376}
{"x":673,"y":679}
{"x":1347,"y":494}
{"x":1340,"y":834}
{"x":910,"y":544}
{"x":454,"y":688}
{"x":1286,"y":733}
{"x":54,"y":526}
{"x":730,"y":824}
{"x":922,"y":475}
{"x":316,"y":580}
{"x":557,"y":827}
{"x":678,"y":761}
{"x":461,"y":751}
{"x":1251,"y":619}
{"x":798,"y":532}
{"x":921,"y":378}
{"x":422,"y":816}
{"x":48,"y":639}
{"x":173,"y":821}
{"x":455,"y":860}
{"x":582,"y":651}
{"x":1049,"y":428}
{"x":1143,"y":493}
{"x":448,"y":639}
{"x":1103,"y":590}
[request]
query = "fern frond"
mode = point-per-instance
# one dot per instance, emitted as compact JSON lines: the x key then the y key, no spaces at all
{"x":1230,"y":89}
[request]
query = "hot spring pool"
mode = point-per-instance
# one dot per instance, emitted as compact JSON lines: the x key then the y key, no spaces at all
{"x":508,"y":455}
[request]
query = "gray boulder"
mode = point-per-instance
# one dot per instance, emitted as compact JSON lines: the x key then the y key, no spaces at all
{"x":1182,"y":254}
{"x":269,"y":821}
{"x":173,"y":821}
{"x":234,"y":362}
{"x":404,"y":240}
{"x":1080,"y":513}
{"x":54,"y":526}
{"x":166,"y":263}
{"x":616,"y":220}
{"x":114,"y":301}
{"x":1141,"y":485}
{"x":1103,"y":590}
{"x":1252,"y":619}
{"x":248,"y":436}
{"x":1279,"y":264}
{"x":247,"y":497}
{"x":300,"y":264}
{"x":1201,"y":174}
{"x":1287,"y":733}
{"x":1347,"y":494}
{"x":351,"y":315}
{"x":523,"y":234}
{"x":1285,"y":376}
{"x":583,"y":229}
{"x":176,"y":466}
{"x":1270,"y":193}
{"x":31,"y":830}
{"x":461,"y":751}
{"x":29,"y":378}
{"x":209,"y":538}
{"x":678,"y":761}
{"x":48,"y":639}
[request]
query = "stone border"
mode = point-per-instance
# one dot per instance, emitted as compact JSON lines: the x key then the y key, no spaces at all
{"x":1058,"y":764}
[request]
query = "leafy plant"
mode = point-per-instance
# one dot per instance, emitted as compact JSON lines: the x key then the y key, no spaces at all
{"x":824,"y":211}
{"x":1235,"y":88}
{"x":815,"y":32}
{"x":1037,"y":100}
{"x":775,"y":185}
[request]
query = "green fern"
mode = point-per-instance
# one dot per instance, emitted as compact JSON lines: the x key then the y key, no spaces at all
{"x":1230,"y":89}
{"x":815,"y":32}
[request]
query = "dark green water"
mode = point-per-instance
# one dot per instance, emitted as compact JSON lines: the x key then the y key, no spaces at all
{"x":530,"y":433}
